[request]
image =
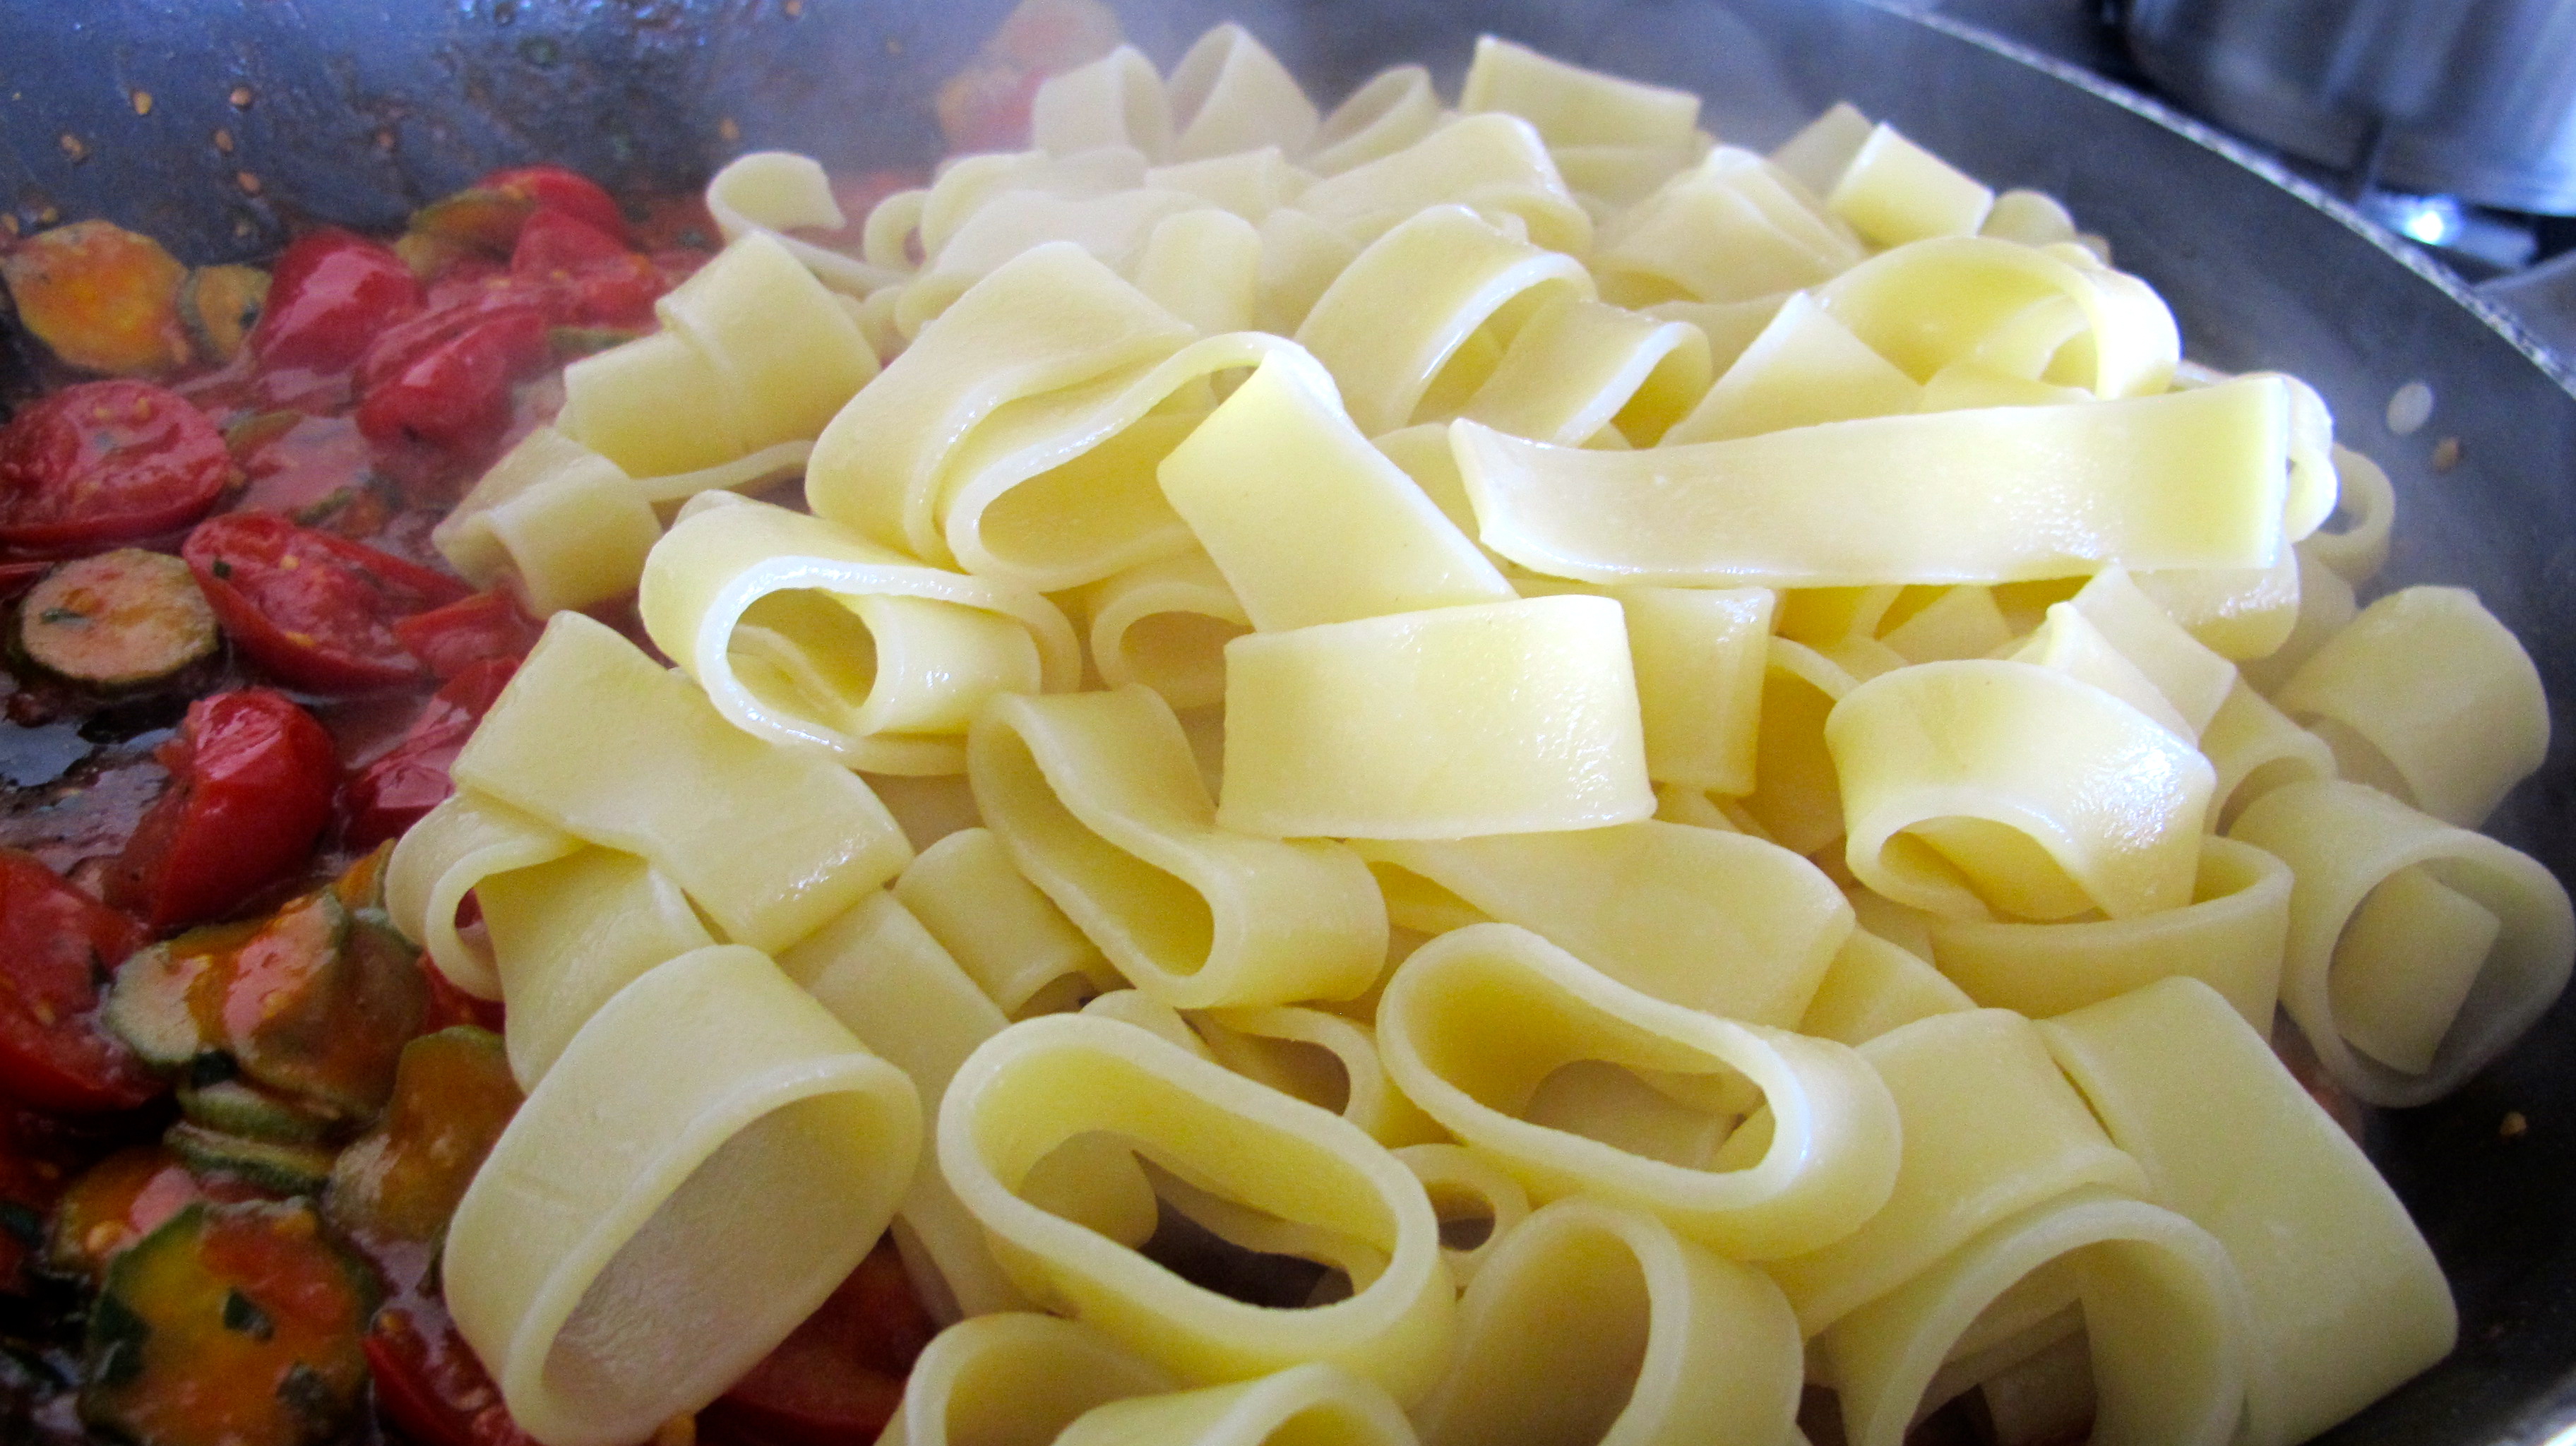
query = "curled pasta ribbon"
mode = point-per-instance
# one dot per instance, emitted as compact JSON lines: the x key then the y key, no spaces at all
{"x":1422,"y":316}
{"x":1613,"y":138}
{"x":1389,"y":111}
{"x":1203,"y":266}
{"x":1592,"y":1322}
{"x":1010,"y":938}
{"x":567,"y":935}
{"x":801,"y":633}
{"x":444,"y":857}
{"x":2162,"y":1309}
{"x":2239,"y":613}
{"x":1803,"y":368}
{"x":2346,"y":1300}
{"x":966,"y":184}
{"x":2358,"y":549}
{"x":1978,"y":788}
{"x":1988,"y":1127}
{"x":884,"y":977}
{"x":1308,"y":523}
{"x":769,"y":841}
{"x":2326,"y":606}
{"x":1731,"y":229}
{"x":753,"y":352}
{"x":888,"y":461}
{"x":1044,"y":1081}
{"x":1230,"y":94}
{"x":1321,"y":1058}
{"x":1309,"y":1405}
{"x":1164,"y":625}
{"x":1014,"y":1378}
{"x":2001,"y":494}
{"x":1700,"y":655}
{"x":1495,"y":165}
{"x":1893,"y":191}
{"x":1713,"y":921}
{"x":1474,"y":1023}
{"x":1097,"y":800}
{"x":1515,"y":717}
{"x":1822,"y":150}
{"x":1875,"y":987}
{"x":2452,"y":744}
{"x":770,"y":193}
{"x":1116,"y":100}
{"x":1467,"y":1191}
{"x":569,"y":528}
{"x":2255,"y":748}
{"x":2229,"y":937}
{"x":1578,"y":367}
{"x":1115,"y":228}
{"x":1797,"y":798}
{"x":635,"y":1242}
{"x":2048,"y":313}
{"x":2418,"y":952}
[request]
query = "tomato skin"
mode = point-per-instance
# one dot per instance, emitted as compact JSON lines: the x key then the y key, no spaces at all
{"x":56,"y":944}
{"x":838,"y":1378}
{"x":393,"y":791}
{"x":332,"y":292}
{"x":561,"y":241}
{"x":314,"y":609}
{"x":450,"y":1006}
{"x":553,"y":188}
{"x":107,"y":462}
{"x":251,"y":779}
{"x":448,"y":640}
{"x":430,"y":1386}
{"x":455,"y":393}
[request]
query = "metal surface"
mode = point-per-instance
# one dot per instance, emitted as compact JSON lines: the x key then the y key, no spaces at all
{"x":2470,"y":100}
{"x":2260,"y":269}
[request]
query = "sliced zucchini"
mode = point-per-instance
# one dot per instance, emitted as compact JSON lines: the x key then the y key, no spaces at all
{"x":151,"y":1007}
{"x":220,"y":304}
{"x":339,"y":996}
{"x":118,"y":621}
{"x":453,"y":1095}
{"x":237,"y":1107}
{"x":286,"y":1169}
{"x":230,"y":1325}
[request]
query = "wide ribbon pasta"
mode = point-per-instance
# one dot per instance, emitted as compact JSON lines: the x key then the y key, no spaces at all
{"x":1494,"y":165}
{"x":1474,"y":1023}
{"x":1316,"y":1404}
{"x":1164,"y":625}
{"x":1014,"y":1378}
{"x":770,"y":842}
{"x":567,"y":935}
{"x":635,"y":1242}
{"x":2417,"y":951}
{"x":1977,"y":788}
{"x":1098,"y":802}
{"x":1596,"y":1323}
{"x":1515,"y":717}
{"x":773,"y":192}
{"x":1714,"y":921}
{"x":1467,"y":1190}
{"x":801,"y":633}
{"x":1045,"y":1081}
{"x":442,"y":858}
{"x":2346,"y":1301}
{"x":1009,"y":937}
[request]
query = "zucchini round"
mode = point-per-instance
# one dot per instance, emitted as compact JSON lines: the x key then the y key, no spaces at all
{"x":117,"y":621}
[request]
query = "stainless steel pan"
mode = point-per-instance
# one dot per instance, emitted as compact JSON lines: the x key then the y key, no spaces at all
{"x":359,"y":109}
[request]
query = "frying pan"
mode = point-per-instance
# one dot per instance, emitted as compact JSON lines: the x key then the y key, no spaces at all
{"x":358,"y":110}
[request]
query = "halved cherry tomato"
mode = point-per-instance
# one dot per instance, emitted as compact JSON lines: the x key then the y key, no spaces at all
{"x":57,"y":946}
{"x":391,"y":792}
{"x":430,"y":1386}
{"x":837,"y":1379}
{"x":107,"y":462}
{"x":453,"y":638}
{"x":554,"y":241}
{"x":552,"y":188}
{"x":251,"y":778}
{"x":332,"y":293}
{"x":449,"y":1005}
{"x":454,"y":393}
{"x":314,"y":609}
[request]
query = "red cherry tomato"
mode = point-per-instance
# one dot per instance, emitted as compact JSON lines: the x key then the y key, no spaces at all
{"x":251,"y":778}
{"x":331,"y":293}
{"x":391,"y":792}
{"x":837,"y":1379}
{"x":552,"y":188}
{"x":314,"y":609}
{"x":449,"y":1005}
{"x":56,"y":945}
{"x":454,"y":393}
{"x":430,"y":1386}
{"x":554,"y":241}
{"x":107,"y":462}
{"x":450,"y":639}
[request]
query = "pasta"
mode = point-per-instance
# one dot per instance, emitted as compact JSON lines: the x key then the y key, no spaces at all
{"x":1677,"y":775}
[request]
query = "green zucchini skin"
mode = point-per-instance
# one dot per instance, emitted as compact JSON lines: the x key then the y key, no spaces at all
{"x":118,"y":622}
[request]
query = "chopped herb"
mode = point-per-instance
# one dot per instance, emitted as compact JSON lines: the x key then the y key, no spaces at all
{"x":304,"y":1390}
{"x":62,"y":615}
{"x":117,"y":1334}
{"x":243,"y":1315}
{"x":211,"y":1067}
{"x":222,"y":569}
